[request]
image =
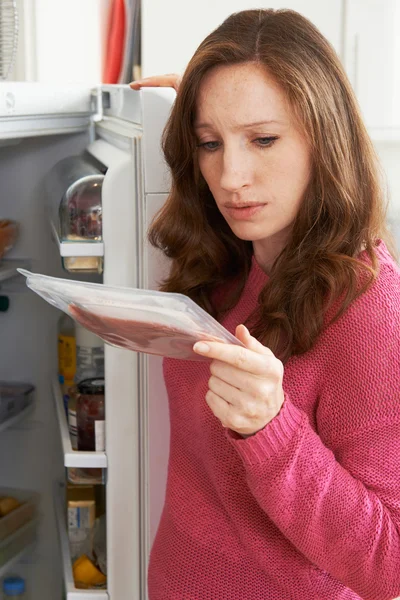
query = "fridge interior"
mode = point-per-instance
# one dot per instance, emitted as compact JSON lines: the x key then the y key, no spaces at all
{"x":31,"y":455}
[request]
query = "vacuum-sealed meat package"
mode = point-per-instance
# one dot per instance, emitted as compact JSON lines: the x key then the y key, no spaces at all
{"x":141,"y":320}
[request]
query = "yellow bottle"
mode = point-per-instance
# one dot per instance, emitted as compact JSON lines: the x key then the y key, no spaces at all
{"x":66,"y":356}
{"x":66,"y":348}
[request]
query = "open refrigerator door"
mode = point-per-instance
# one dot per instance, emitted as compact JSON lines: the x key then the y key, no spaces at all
{"x":118,"y":132}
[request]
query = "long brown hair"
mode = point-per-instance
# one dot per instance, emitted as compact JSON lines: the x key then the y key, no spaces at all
{"x":342,"y":212}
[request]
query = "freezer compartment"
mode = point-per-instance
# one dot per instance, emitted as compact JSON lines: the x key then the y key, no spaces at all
{"x":15,"y":519}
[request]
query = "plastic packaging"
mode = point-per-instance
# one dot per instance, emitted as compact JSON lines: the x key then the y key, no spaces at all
{"x":14,"y":587}
{"x":140,"y":320}
{"x":100,"y":543}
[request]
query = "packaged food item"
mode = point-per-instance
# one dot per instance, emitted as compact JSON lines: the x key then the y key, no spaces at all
{"x":14,"y":398}
{"x":90,"y":415}
{"x":87,"y":492}
{"x":87,"y":575}
{"x":89,"y":354}
{"x":72,"y":421}
{"x":140,"y":320}
{"x":81,"y":517}
{"x":73,"y":193}
{"x":85,"y":476}
{"x":79,"y":492}
{"x":66,"y":356}
{"x":8,"y":235}
{"x":14,"y":587}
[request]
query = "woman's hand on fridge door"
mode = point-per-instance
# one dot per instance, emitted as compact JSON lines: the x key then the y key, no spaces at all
{"x":169,"y":80}
{"x":245,"y":388}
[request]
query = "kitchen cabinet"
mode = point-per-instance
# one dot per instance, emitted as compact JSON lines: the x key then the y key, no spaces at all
{"x":371,"y":55}
{"x":171,"y":31}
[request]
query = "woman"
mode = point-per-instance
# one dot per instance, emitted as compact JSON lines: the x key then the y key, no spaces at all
{"x":284,"y":463}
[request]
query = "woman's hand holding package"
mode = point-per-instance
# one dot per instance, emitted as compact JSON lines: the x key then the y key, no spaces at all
{"x":245,"y":388}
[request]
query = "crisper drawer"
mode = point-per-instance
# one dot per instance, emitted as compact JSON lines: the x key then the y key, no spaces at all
{"x":18,"y":517}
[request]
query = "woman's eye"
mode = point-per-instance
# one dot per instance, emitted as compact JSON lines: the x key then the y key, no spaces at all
{"x":264,"y":142}
{"x":210,"y":146}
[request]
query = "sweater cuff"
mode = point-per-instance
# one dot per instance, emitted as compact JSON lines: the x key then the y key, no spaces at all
{"x":272,"y":439}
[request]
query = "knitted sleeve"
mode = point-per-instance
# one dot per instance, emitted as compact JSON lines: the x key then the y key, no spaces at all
{"x":335,"y":492}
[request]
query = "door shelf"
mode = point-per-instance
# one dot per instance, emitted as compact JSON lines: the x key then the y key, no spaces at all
{"x":71,"y":592}
{"x":73,"y":458}
{"x":74,"y":249}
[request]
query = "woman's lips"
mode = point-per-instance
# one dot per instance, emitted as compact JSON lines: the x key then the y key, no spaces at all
{"x":244,"y":213}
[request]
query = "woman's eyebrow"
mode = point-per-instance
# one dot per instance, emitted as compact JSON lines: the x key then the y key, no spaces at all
{"x":243,"y":125}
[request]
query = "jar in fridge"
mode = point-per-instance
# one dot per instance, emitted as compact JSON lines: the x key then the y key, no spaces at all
{"x":73,"y":190}
{"x":90,"y":415}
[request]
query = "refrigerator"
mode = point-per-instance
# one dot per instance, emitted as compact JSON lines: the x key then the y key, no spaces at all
{"x":40,"y":125}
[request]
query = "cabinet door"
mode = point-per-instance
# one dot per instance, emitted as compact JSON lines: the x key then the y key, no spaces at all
{"x":372,"y":60}
{"x":171,"y":31}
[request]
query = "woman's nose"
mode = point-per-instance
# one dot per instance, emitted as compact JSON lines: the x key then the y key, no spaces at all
{"x":236,"y":171}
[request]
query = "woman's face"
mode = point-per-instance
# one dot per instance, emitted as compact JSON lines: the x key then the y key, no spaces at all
{"x":252,"y":154}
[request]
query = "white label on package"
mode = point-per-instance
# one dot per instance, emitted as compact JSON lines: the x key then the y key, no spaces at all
{"x":100,"y":435}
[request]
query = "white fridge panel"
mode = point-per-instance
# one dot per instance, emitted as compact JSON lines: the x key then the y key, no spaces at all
{"x":34,"y":99}
{"x":156,"y":108}
{"x":32,"y":109}
{"x":158,"y":434}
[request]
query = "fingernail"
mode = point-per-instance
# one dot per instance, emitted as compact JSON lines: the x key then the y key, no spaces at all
{"x":201,"y":347}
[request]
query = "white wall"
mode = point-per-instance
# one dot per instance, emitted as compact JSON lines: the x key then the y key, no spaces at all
{"x":61,"y":41}
{"x":172,"y":29}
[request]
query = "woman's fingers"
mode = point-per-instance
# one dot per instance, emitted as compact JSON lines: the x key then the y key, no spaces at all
{"x":168,"y":80}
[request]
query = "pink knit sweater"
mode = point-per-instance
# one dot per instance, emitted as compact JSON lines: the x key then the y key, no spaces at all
{"x":309,"y":507}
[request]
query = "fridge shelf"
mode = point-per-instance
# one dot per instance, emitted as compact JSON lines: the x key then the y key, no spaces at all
{"x":24,"y":414}
{"x":74,"y":458}
{"x":73,"y":249}
{"x":15,"y":546}
{"x":72,"y":593}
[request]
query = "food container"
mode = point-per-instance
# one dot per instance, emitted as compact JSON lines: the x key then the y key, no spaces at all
{"x":73,"y":197}
{"x":14,"y":398}
{"x":8,"y":235}
{"x":90,"y":415}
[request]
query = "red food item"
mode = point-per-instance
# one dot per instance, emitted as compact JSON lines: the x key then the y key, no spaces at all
{"x":142,"y":336}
